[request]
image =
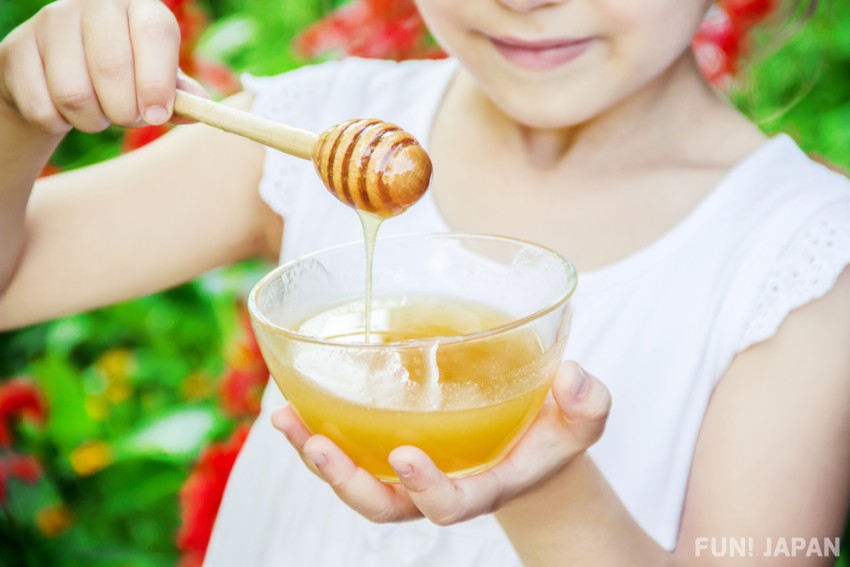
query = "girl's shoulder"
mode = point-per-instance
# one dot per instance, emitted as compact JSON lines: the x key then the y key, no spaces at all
{"x":781,"y":179}
{"x":776,"y":194}
{"x":790,"y":217}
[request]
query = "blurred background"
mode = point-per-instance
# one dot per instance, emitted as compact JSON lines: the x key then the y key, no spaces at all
{"x":118,"y":427}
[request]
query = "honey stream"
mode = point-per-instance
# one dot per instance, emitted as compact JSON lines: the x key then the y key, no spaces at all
{"x":371,"y":225}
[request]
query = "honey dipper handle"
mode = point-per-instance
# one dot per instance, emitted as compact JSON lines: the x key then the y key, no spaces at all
{"x":288,"y":139}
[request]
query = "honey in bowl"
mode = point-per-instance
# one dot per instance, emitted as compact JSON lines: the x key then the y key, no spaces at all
{"x":462,"y":402}
{"x":466,"y":334}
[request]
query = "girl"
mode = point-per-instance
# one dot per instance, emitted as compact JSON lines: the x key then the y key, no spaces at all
{"x":713,"y":300}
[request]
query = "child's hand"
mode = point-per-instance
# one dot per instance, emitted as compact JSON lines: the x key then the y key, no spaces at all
{"x":565,"y":428}
{"x":91,"y":63}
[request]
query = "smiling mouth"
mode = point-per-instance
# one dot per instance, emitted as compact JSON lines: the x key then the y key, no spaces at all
{"x":540,"y":55}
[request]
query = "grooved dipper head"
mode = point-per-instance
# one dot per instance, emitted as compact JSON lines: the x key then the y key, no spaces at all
{"x":372,"y":165}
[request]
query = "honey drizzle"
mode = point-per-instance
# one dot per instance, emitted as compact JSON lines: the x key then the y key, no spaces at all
{"x":371,"y":224}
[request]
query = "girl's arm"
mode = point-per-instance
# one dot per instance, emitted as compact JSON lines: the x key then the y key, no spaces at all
{"x":773,"y":455}
{"x":24,"y":150}
{"x":146,"y":221}
{"x":770,"y":465}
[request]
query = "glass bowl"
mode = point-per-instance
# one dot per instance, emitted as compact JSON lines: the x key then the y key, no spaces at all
{"x":467,"y":332}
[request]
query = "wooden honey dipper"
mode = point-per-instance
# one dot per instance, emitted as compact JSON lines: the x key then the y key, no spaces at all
{"x":367,"y":164}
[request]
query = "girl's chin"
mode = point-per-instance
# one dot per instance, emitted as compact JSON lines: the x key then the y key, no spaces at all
{"x":559,"y":104}
{"x":543,"y":116}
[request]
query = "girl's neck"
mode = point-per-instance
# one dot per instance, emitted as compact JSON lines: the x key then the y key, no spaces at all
{"x":648,"y":123}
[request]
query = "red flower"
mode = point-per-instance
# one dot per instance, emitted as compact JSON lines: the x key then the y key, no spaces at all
{"x":723,"y":38}
{"x":250,"y":339}
{"x":135,"y":138}
{"x":201,"y":495}
{"x":242,"y":391}
{"x":49,"y":169}
{"x":22,"y":467}
{"x":747,"y":13}
{"x":242,"y":387}
{"x":716,"y":46}
{"x":192,"y":22}
{"x":215,"y":76}
{"x":389,"y":29}
{"x":19,"y":397}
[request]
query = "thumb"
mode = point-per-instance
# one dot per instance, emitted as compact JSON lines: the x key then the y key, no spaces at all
{"x":190,"y":85}
{"x":584,"y":402}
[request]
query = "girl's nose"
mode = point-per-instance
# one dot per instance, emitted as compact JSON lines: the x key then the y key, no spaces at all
{"x":528,"y":5}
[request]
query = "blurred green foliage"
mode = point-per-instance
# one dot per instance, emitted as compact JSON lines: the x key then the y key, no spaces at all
{"x":115,"y":455}
{"x":132,"y":388}
{"x":799,"y":81}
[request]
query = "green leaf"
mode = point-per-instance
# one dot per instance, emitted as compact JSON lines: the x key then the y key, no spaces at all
{"x":179,"y":434}
{"x":65,"y":335}
{"x":68,"y":423}
{"x":25,"y":500}
{"x":227,"y":36}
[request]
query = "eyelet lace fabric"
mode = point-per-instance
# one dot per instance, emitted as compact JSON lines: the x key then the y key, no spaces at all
{"x":296,"y":99}
{"x":806,"y":270}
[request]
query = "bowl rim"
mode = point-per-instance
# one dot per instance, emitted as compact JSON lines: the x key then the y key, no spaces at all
{"x":260,"y":319}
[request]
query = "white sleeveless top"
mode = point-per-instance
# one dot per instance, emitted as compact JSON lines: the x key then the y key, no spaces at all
{"x":659,"y":327}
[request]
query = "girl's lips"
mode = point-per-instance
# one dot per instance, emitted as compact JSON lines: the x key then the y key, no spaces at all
{"x":540,"y":55}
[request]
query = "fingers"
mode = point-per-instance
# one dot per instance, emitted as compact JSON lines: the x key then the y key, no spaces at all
{"x":156,"y":40}
{"x":363,"y":492}
{"x":584,"y":402}
{"x":191,"y":86}
{"x":109,"y":57}
{"x":286,"y":421}
{"x":26,"y":87}
{"x":566,"y":426}
{"x":440,"y":499}
{"x":367,"y":495}
{"x":61,"y":50}
{"x":98,"y":61}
